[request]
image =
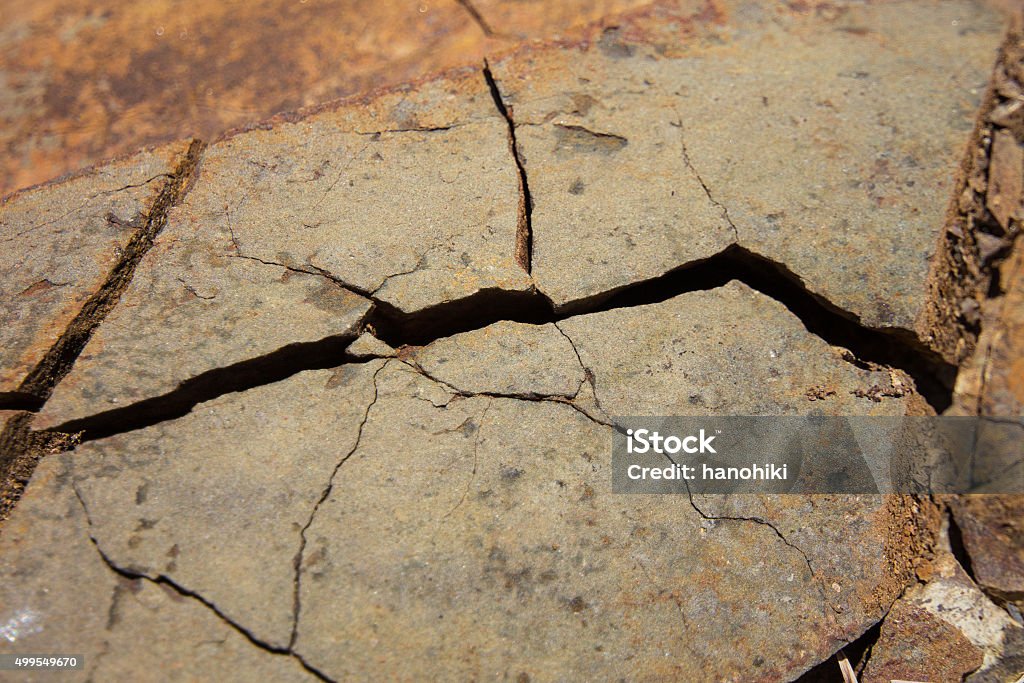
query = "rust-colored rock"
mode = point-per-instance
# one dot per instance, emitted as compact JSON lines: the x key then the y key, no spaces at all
{"x":82,"y":80}
{"x":915,"y":644}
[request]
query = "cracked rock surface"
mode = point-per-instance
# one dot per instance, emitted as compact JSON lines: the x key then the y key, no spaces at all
{"x":348,"y":413}
{"x":852,"y":151}
{"x":57,"y":590}
{"x":59,"y":242}
{"x":467,"y":484}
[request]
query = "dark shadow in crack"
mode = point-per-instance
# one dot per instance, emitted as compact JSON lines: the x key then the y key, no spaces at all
{"x":892,"y":348}
{"x":868,"y":347}
{"x":273,"y":367}
{"x":858,"y":652}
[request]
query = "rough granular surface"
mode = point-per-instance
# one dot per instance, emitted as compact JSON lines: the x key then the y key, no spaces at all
{"x":347,"y":404}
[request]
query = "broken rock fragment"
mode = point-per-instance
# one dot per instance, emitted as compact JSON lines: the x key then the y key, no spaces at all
{"x":58,"y":244}
{"x":367,"y":345}
{"x":946,"y":630}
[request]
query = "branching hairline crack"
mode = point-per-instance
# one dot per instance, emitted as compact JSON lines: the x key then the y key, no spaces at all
{"x":164,"y":580}
{"x":297,"y":598}
{"x":532,"y":398}
{"x":762,"y":522}
{"x":707,"y":191}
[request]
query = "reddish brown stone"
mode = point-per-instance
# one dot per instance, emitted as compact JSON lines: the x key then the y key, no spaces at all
{"x":82,"y":80}
{"x":916,"y":645}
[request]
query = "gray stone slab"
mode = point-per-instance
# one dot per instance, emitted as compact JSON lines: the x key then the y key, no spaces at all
{"x":58,"y":596}
{"x":831,"y":138}
{"x":58,"y":243}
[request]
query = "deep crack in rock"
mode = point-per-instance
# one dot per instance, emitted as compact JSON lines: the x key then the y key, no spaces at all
{"x":524,"y":229}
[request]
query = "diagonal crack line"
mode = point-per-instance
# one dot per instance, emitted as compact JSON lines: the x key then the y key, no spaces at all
{"x":524,"y":227}
{"x":297,"y":595}
{"x":164,"y":580}
{"x":532,"y":398}
{"x":58,"y":361}
{"x":588,"y":377}
{"x":587,"y":374}
{"x":707,"y":191}
{"x":478,"y":18}
{"x":313,"y":270}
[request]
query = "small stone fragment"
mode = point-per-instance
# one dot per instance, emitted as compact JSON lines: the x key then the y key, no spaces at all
{"x":915,"y":644}
{"x":1005,"y":178}
{"x":946,"y":630}
{"x":368,"y":346}
{"x":992,"y":530}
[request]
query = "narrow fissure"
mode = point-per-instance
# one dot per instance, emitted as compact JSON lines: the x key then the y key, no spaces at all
{"x":869,"y":347}
{"x":162,"y":580}
{"x":37,"y":386}
{"x":957,"y":547}
{"x":524,"y":227}
{"x":478,"y":18}
{"x":857,"y":652}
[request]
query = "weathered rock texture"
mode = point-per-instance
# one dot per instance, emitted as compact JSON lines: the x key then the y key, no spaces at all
{"x":82,"y":81}
{"x":60,"y":243}
{"x":641,"y":157}
{"x":351,"y":415}
{"x":946,"y":630}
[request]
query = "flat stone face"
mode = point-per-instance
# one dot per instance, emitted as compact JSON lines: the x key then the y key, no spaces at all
{"x":192,"y":307}
{"x":59,"y":242}
{"x":256,"y":464}
{"x":505,"y":358}
{"x":610,"y":186}
{"x":864,"y":113}
{"x":378,"y":199}
{"x":57,"y":594}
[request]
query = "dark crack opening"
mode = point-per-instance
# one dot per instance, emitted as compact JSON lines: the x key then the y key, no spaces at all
{"x":524,"y":228}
